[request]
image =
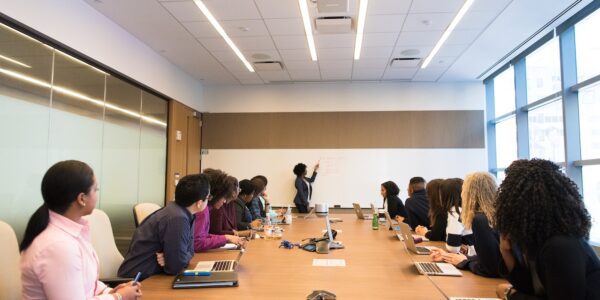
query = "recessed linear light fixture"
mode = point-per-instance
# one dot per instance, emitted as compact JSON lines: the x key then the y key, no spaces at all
{"x":308,"y":29}
{"x":14,"y":61}
{"x":362,"y":15}
{"x":223,"y":34}
{"x":461,"y":13}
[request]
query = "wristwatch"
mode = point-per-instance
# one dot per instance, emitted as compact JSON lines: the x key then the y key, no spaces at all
{"x":507,"y":292}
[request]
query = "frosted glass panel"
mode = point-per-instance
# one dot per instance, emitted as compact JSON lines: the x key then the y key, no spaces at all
{"x":153,"y":150}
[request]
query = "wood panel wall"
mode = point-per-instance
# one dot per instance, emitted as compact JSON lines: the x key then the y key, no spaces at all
{"x":344,"y":130}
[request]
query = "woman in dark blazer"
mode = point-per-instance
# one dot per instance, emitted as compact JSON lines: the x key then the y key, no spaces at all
{"x":303,"y":187}
{"x":395,"y":207}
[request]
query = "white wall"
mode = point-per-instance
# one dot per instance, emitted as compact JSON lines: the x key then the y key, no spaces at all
{"x":346,"y":175}
{"x":79,"y":26}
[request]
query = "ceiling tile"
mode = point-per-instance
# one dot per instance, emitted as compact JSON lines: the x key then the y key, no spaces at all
{"x":490,"y":5}
{"x":335,"y":53}
{"x":418,"y":38}
{"x":235,"y":28}
{"x":372,"y":63}
{"x":476,"y":20}
{"x":291,"y":42}
{"x":427,"y":22}
{"x":375,"y":52}
{"x":254,"y":43}
{"x":384,"y":23}
{"x":214,"y":44}
{"x":388,"y":7}
{"x":305,"y":75}
{"x":185,"y":11}
{"x":367,"y":74}
{"x":334,"y":41}
{"x":201,"y":29}
{"x":278,"y":8}
{"x":233,"y":9}
{"x":452,"y":50}
{"x":433,"y":6}
{"x":331,"y":65}
{"x":251,"y":81}
{"x":442,"y":61}
{"x":399,"y":73}
{"x":429,"y":74}
{"x":261,"y":55}
{"x":285,"y":26}
{"x":463,"y":36}
{"x":225,"y":56}
{"x":301,"y":65}
{"x":274,"y":75}
{"x":387,"y":39}
{"x":336,"y":74}
{"x":295,"y":54}
{"x":422,"y":50}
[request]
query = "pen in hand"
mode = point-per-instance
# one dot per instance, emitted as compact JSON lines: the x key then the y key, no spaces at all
{"x":136,"y":279}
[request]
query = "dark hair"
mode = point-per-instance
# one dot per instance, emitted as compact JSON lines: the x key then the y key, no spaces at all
{"x":220,"y":186}
{"x":246,"y":187}
{"x":191,"y":188}
{"x":391,"y":189}
{"x":232,"y":183}
{"x":537,"y":201}
{"x":61,"y":185}
{"x":263,"y":178}
{"x":450,"y":190}
{"x":299,"y":169}
{"x":433,"y":196}
{"x":417,"y":183}
{"x":259,"y":185}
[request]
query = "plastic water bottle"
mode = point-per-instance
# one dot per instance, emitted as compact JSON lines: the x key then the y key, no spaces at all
{"x":375,"y":221}
{"x":288,"y":215}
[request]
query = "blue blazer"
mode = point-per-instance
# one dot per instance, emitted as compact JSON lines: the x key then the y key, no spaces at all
{"x":302,"y":191}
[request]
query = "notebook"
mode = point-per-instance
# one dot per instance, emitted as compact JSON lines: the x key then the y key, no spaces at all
{"x":221,"y":273}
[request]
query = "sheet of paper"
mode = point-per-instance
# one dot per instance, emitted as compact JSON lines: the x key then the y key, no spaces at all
{"x":329,"y":262}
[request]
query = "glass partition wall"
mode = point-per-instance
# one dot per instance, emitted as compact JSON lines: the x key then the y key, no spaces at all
{"x":55,"y":107}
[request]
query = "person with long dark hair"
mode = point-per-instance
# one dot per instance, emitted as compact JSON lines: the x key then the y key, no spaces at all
{"x":544,"y":230}
{"x":57,"y":257}
{"x":391,"y":202}
{"x":303,"y":186}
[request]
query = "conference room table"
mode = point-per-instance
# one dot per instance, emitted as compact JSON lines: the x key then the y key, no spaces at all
{"x":378,"y":266}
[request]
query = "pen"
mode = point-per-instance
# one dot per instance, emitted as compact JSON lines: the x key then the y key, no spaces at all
{"x":137,"y":278}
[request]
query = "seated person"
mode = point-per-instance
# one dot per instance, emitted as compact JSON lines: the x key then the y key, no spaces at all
{"x":57,"y":257}
{"x":203,"y":240}
{"x":417,"y":205}
{"x":478,"y":199}
{"x":438,"y":217}
{"x":256,"y":206}
{"x":223,"y":219}
{"x":544,"y":229}
{"x":169,"y":230}
{"x":391,"y":202}
{"x":243,"y":215}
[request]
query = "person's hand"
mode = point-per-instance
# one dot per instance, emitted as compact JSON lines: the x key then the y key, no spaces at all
{"x":454,"y":258}
{"x":233,"y":239}
{"x":160,"y":259}
{"x":400,"y":219}
{"x":128,"y":291}
{"x":437,"y":254}
{"x":421,"y":230}
{"x":317,"y":166}
{"x":256,"y":223}
{"x":501,"y":289}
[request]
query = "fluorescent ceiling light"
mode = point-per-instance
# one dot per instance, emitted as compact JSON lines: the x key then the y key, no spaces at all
{"x":78,"y":95}
{"x":461,"y":13}
{"x":308,"y":29}
{"x":14,"y":61}
{"x":362,"y":16}
{"x":223,"y":34}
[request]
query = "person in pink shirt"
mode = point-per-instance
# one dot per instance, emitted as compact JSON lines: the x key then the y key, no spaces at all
{"x":57,"y":257}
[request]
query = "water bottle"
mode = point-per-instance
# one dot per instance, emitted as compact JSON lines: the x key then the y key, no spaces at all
{"x":375,"y":221}
{"x":288,"y":215}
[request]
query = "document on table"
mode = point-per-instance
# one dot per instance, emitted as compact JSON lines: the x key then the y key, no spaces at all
{"x":329,"y":262}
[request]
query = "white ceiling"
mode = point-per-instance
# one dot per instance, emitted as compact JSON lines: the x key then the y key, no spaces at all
{"x":177,"y":30}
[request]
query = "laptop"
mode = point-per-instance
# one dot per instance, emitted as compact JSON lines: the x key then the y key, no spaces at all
{"x":221,"y":273}
{"x":437,"y":269}
{"x":332,"y":244}
{"x":410,"y":242}
{"x":395,"y":226}
{"x":359,"y":213}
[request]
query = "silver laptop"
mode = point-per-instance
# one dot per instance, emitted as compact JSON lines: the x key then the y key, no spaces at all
{"x":410,"y":242}
{"x":437,"y":269}
{"x":332,"y":244}
{"x":359,"y":213}
{"x":220,"y":273}
{"x":395,"y":226}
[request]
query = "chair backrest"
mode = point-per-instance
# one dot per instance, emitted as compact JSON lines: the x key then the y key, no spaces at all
{"x":10,"y":277}
{"x":103,"y":242}
{"x":142,"y":210}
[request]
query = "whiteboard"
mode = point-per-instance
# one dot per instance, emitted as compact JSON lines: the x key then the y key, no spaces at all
{"x":346,"y":175}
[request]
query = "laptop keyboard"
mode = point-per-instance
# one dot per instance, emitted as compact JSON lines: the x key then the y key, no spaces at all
{"x":430,"y":267}
{"x":222,"y":266}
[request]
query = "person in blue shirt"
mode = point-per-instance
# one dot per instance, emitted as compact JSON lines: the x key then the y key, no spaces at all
{"x":169,"y":231}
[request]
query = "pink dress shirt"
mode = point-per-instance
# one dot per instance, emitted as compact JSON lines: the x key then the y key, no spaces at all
{"x":202,"y":239}
{"x":61,"y":263}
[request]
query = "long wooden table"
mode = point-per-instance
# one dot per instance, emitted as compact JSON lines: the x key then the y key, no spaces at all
{"x":377,"y":267}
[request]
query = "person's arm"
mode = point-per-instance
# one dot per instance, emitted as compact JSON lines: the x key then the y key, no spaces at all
{"x":61,"y":273}
{"x":255,"y":208}
{"x":175,"y":245}
{"x":300,"y":188}
{"x":487,"y":247}
{"x":312,"y":177}
{"x":239,"y":213}
{"x":217,"y":221}
{"x":454,"y":232}
{"x":202,"y":239}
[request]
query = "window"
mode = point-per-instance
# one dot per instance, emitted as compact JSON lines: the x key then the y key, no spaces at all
{"x":591,"y":196}
{"x":588,"y":47}
{"x":543,"y":71}
{"x":589,"y":119}
{"x":506,"y":142}
{"x":504,"y":92}
{"x":546,"y":138}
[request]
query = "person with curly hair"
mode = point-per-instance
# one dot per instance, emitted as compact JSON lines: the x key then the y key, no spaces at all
{"x":303,"y":187}
{"x":477,"y":212}
{"x":544,"y":230}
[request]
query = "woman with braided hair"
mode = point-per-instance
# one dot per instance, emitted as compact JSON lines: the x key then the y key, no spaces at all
{"x":544,"y":228}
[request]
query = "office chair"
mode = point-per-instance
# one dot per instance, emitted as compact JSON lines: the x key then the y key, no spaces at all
{"x":10,"y":278}
{"x":143,"y":210}
{"x":104,"y":244}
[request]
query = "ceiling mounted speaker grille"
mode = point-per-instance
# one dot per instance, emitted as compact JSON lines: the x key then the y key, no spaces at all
{"x":268,"y":66}
{"x":332,"y":6}
{"x":405,"y":62}
{"x":334,"y":25}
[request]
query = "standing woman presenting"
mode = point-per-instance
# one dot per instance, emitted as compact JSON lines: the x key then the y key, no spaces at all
{"x":303,"y":187}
